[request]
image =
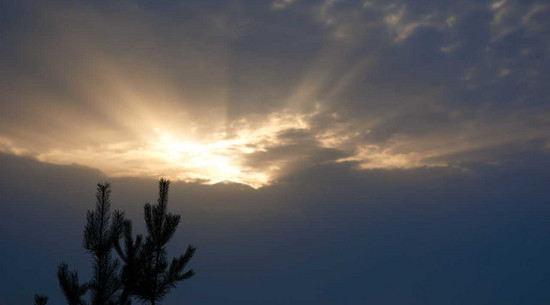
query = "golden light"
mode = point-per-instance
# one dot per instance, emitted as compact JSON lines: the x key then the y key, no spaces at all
{"x":130,"y":120}
{"x":205,"y":157}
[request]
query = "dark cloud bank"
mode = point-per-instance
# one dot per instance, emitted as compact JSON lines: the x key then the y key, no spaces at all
{"x":328,"y":235}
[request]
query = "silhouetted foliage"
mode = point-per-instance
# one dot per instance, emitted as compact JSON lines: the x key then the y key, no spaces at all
{"x":40,"y":299}
{"x":99,"y":240}
{"x":70,"y":285}
{"x":145,"y":272}
{"x":130,"y":255}
{"x":100,"y":235}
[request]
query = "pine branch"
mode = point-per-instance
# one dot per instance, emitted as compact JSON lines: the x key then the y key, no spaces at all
{"x":157,"y":275}
{"x":70,"y":285}
{"x":40,"y":299}
{"x":175,"y":273}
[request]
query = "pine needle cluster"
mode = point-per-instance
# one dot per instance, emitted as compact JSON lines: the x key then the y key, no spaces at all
{"x":143,"y":271}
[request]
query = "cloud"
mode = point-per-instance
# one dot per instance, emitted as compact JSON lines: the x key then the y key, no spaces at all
{"x":229,"y":92}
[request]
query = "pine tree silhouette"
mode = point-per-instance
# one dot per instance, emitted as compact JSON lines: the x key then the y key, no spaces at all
{"x":100,"y":235}
{"x":145,"y":273}
{"x":99,"y":240}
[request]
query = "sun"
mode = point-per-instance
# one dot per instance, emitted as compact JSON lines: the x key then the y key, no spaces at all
{"x":212,"y":161}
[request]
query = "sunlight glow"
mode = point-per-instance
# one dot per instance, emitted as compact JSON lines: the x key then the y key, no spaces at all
{"x":208,"y":158}
{"x":186,"y":122}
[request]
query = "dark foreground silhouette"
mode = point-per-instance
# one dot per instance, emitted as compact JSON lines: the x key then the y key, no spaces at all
{"x":142,"y":271}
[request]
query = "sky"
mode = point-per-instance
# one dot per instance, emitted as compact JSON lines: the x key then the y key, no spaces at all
{"x":321,"y":152}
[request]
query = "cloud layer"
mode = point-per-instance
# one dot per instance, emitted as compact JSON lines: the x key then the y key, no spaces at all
{"x":215,"y":91}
